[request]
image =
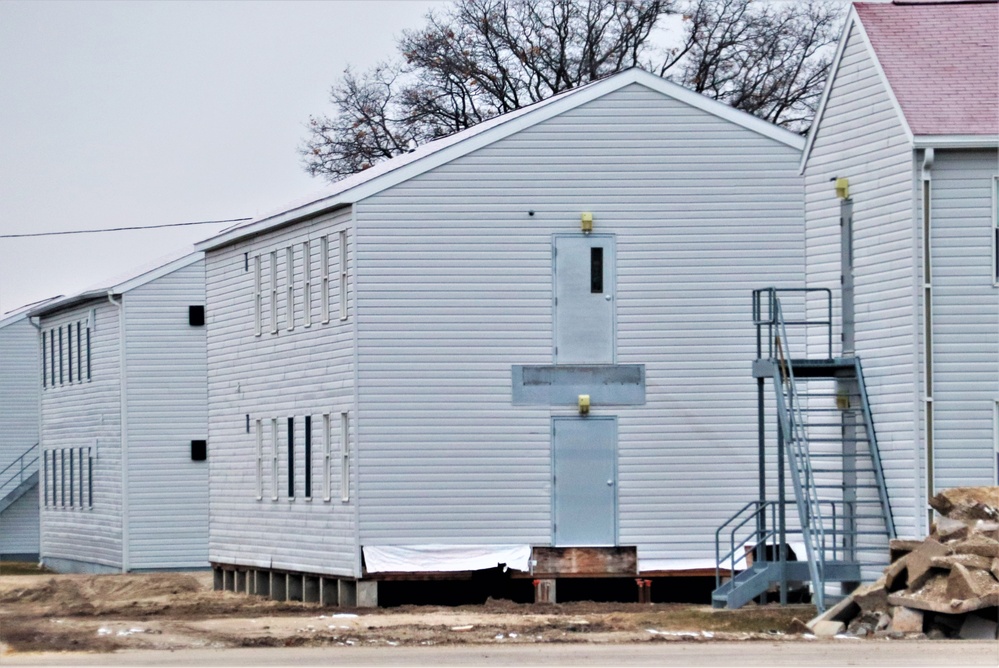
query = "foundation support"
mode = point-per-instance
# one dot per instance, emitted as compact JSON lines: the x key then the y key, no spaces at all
{"x":544,"y":591}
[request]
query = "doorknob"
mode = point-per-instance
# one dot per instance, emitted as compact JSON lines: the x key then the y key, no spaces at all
{"x":610,"y":483}
{"x":607,"y":297}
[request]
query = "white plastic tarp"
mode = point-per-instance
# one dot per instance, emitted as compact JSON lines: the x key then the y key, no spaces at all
{"x":444,"y":558}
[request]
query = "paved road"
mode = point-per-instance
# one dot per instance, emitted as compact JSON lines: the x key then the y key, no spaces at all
{"x":880,"y":654}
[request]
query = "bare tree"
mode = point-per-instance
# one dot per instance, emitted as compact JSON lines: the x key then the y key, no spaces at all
{"x":480,"y":58}
{"x":768,"y":59}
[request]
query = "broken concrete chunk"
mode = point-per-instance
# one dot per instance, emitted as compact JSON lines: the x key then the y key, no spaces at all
{"x":968,"y":503}
{"x":987,"y":528}
{"x":895,"y":574}
{"x":966,"y":560}
{"x":948,"y":529}
{"x":920,"y":562}
{"x":965,"y":583}
{"x":828,"y":629}
{"x":907,"y":620}
{"x":995,"y":568}
{"x":871,"y":598}
{"x":899,"y":547}
{"x":977,"y":544}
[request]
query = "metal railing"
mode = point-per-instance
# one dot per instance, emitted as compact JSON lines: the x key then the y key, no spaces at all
{"x":765,"y":310}
{"x":792,"y":423}
{"x":23,"y":468}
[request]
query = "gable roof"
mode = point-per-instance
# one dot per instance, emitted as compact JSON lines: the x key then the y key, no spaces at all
{"x":432,"y":154}
{"x":923,"y":71}
{"x":122,"y":283}
{"x":941,"y":60}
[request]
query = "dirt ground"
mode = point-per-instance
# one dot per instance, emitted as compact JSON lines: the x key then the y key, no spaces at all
{"x":169,"y":611}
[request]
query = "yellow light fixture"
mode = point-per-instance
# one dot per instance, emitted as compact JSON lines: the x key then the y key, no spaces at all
{"x":842,"y":187}
{"x":586,"y":222}
{"x":584,"y":404}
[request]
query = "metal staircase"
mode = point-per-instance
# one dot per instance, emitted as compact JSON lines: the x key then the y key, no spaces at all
{"x":18,"y":477}
{"x":826,"y":440}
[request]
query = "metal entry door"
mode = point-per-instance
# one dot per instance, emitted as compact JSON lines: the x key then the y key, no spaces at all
{"x":584,"y":298}
{"x":584,"y":467}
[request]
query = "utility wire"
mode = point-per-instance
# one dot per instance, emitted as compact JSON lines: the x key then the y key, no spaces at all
{"x":121,"y":229}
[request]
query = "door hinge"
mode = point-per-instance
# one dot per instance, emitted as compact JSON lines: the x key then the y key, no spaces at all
{"x":556,"y":301}
{"x":842,"y":279}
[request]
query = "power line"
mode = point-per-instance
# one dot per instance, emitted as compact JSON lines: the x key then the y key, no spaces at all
{"x":121,"y":229}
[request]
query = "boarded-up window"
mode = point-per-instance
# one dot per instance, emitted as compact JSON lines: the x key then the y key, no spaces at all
{"x":307,"y":282}
{"x":324,"y":268}
{"x":258,"y":297}
{"x":343,"y":274}
{"x":327,"y":457}
{"x":274,"y":459}
{"x":260,"y":459}
{"x":289,"y":275}
{"x":274,"y":293}
{"x":345,"y":457}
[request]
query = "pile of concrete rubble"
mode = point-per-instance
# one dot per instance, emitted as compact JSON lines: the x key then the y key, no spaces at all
{"x":945,"y":586}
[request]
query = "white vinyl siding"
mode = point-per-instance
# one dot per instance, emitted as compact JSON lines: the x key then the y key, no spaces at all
{"x":455,"y":284}
{"x":307,"y":282}
{"x":167,"y":398}
{"x":342,"y":245}
{"x":87,"y":416}
{"x":258,"y":297}
{"x":289,"y":278}
{"x":308,"y":371}
{"x":20,"y":387}
{"x":861,"y":138}
{"x":965,"y":316}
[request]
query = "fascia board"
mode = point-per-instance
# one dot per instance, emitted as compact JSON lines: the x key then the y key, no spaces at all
{"x":956,"y":141}
{"x":504,"y":129}
{"x":830,"y":78}
{"x":22,"y":312}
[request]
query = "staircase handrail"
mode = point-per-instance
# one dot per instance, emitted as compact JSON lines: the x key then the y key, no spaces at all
{"x":796,"y":439}
{"x":19,"y":473}
{"x":872,"y":444}
{"x":761,"y":507}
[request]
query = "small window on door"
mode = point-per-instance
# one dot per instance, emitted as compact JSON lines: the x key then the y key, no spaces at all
{"x":596,"y":270}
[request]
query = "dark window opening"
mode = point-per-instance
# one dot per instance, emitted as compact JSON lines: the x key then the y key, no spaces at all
{"x":88,"y":353}
{"x":247,"y":423}
{"x":308,"y":456}
{"x":196,"y":316}
{"x":61,"y":378}
{"x":53,"y":471}
{"x":199,"y":451}
{"x":69,"y":350}
{"x":62,"y":477}
{"x":80,"y":451}
{"x":291,"y":458}
{"x":596,"y":270}
{"x":79,"y":355}
{"x":45,"y":360}
{"x":52,"y":372}
{"x":72,"y":479}
{"x":90,"y":478}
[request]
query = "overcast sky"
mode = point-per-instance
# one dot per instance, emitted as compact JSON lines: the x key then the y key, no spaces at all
{"x":142,"y":113}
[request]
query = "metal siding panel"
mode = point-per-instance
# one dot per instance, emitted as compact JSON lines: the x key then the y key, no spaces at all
{"x":862,"y":139}
{"x":19,"y":525}
{"x":457,"y":284}
{"x":167,"y":397}
{"x":308,"y":371}
{"x":79,"y":415}
{"x":965,"y":317}
{"x":20,"y":385}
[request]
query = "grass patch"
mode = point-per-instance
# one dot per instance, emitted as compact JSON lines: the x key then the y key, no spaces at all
{"x":22,"y":568}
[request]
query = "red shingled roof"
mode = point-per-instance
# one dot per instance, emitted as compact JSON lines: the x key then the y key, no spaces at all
{"x":942,"y":61}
